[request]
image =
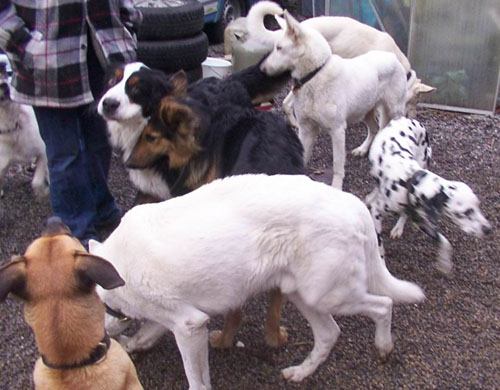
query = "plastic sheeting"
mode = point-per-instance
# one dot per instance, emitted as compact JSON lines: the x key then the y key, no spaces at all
{"x":455,"y":47}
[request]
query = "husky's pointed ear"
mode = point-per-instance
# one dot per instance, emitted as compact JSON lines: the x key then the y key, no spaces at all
{"x":179,"y":82}
{"x":424,"y":88}
{"x":292,"y":26}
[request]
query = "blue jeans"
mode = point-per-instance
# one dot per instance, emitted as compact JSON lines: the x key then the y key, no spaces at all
{"x":79,"y":156}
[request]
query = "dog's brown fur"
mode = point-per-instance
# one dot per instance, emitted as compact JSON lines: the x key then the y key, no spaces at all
{"x":55,"y":279}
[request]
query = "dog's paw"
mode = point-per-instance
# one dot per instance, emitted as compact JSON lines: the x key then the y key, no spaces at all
{"x":294,"y":373}
{"x":219,"y":341}
{"x":359,"y":151}
{"x":41,"y":192}
{"x":385,"y":351}
{"x":444,"y":267}
{"x":397,"y":232}
{"x":276,"y":339}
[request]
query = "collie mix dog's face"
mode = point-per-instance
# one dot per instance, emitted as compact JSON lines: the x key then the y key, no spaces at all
{"x":132,"y":92}
{"x":170,"y":132}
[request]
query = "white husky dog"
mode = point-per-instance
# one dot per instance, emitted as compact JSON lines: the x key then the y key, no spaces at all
{"x":347,"y":38}
{"x":207,"y":252}
{"x":331,"y":92}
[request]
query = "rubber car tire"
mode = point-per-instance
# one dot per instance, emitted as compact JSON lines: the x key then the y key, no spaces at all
{"x":164,"y":23}
{"x":173,"y":55}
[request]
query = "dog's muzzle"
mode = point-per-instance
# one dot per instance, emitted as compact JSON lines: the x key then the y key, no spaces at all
{"x":109,"y":106}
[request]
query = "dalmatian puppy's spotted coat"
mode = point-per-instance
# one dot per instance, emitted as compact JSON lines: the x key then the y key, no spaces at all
{"x":399,"y":157}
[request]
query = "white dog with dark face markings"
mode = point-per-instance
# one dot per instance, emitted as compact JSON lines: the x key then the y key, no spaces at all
{"x":399,"y":157}
{"x":317,"y":244}
{"x":331,"y":92}
{"x":133,"y":90}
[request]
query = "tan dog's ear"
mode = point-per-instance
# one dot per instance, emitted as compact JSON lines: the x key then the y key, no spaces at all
{"x":292,"y":27}
{"x":13,"y":278}
{"x":179,"y":82}
{"x":92,"y":269}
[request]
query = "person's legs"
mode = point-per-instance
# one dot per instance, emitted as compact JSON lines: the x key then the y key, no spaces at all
{"x":98,"y":154}
{"x":71,"y":188}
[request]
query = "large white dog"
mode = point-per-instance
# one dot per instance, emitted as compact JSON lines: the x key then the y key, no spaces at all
{"x":207,"y":252}
{"x":346,"y":37}
{"x":332,"y":92}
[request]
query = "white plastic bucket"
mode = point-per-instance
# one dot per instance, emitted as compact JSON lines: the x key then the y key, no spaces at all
{"x":216,"y":67}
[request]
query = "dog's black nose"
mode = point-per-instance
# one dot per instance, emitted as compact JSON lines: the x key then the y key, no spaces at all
{"x":109,"y":105}
{"x":487,"y":229}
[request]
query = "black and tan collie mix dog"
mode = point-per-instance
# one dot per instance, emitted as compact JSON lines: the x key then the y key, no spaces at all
{"x":194,"y":137}
{"x":199,"y":133}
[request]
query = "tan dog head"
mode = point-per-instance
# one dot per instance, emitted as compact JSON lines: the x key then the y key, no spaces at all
{"x":56,"y":278}
{"x":170,"y":133}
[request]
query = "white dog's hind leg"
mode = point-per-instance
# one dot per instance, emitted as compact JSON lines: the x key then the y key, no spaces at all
{"x":287,"y":106}
{"x":191,"y":334}
{"x":147,"y":335}
{"x":325,"y":331}
{"x":397,"y":230}
{"x":338,"y":147}
{"x":372,"y":125}
{"x":379,"y":309}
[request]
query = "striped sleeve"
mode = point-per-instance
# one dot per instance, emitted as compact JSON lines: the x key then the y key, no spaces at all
{"x":14,"y":35}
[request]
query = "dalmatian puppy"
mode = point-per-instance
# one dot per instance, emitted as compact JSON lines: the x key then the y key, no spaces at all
{"x":399,"y":157}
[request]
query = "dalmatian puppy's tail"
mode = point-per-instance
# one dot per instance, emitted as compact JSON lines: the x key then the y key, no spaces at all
{"x":380,"y":280}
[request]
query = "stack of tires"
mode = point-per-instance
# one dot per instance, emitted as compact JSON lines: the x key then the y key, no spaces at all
{"x":170,"y":37}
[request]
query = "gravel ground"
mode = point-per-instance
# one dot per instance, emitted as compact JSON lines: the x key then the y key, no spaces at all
{"x":451,"y":341}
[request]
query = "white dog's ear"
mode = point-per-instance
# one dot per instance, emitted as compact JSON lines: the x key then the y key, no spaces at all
{"x":93,"y":245}
{"x":423,"y":88}
{"x":281,"y":21}
{"x":292,"y":27}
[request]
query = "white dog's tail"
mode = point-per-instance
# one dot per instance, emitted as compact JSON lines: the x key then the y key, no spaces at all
{"x":380,"y":280}
{"x":255,"y":22}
